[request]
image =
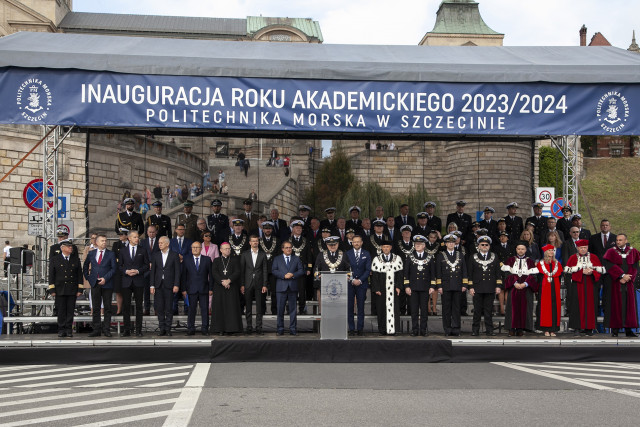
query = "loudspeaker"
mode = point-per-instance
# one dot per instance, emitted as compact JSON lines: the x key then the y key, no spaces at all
{"x":19,"y":262}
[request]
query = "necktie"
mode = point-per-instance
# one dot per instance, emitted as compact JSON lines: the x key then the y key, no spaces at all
{"x":100,"y":258}
{"x":66,"y":258}
{"x":357,"y":257}
{"x":604,"y":240}
{"x":133,"y":252}
{"x":387,"y":258}
{"x":180,"y":244}
{"x":152,"y":242}
{"x":197,"y":263}
{"x":342,"y":234}
{"x":404,"y":220}
{"x":287,"y":261}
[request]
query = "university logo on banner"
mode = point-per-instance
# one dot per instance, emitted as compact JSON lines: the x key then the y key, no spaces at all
{"x":34,"y":99}
{"x":612,"y":111}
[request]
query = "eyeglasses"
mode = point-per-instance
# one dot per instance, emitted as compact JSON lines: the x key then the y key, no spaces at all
{"x":576,"y":231}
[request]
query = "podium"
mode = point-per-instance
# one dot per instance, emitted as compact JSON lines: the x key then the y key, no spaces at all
{"x":333,"y":297}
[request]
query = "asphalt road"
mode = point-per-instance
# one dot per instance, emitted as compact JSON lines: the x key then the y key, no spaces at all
{"x":275,"y":394}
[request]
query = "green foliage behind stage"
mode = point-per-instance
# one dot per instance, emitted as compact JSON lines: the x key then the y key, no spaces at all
{"x":335,"y":185}
{"x":552,"y":169}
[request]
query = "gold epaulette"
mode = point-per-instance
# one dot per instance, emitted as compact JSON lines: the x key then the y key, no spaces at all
{"x":499,"y":282}
{"x":465,"y":281}
{"x":469,"y":282}
{"x":439,"y":282}
{"x":433,"y":282}
{"x":52,"y":286}
{"x":406,"y":282}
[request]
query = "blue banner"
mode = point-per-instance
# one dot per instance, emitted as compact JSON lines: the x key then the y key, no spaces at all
{"x":101,"y":99}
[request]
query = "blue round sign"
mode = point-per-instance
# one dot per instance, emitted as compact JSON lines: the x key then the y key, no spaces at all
{"x":557,"y":205}
{"x":32,"y":195}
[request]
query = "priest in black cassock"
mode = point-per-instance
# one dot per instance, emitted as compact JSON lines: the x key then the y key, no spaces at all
{"x":226,"y":317}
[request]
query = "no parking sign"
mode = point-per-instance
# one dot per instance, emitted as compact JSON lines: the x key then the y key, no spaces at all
{"x":557,"y":205}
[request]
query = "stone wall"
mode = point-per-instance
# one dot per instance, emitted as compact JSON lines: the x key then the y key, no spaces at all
{"x":15,"y":142}
{"x":482,"y":173}
{"x":116,"y":163}
{"x":286,"y":201}
{"x":121,"y":162}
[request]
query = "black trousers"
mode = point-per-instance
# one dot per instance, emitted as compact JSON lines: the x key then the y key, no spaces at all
{"x":164,"y":307}
{"x":147,"y":298}
{"x":66,"y":304}
{"x":405,"y":303}
{"x":463,"y":303}
{"x":203,"y":300}
{"x":138,"y":294}
{"x":272,"y":292}
{"x":419,"y":300}
{"x":250,"y":293}
{"x":483,"y":306}
{"x":302,"y":292}
{"x":100,"y":295}
{"x":451,"y":312}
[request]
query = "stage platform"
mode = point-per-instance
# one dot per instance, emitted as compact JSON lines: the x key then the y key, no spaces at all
{"x":309,"y":348}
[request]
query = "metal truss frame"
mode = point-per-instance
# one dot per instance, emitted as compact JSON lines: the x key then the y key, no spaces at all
{"x":50,"y":154}
{"x":569,"y":146}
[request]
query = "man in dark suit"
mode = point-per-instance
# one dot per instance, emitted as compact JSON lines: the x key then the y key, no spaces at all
{"x":461,"y":219}
{"x":576,"y":221}
{"x":490,"y":224}
{"x":160,"y":221}
{"x":65,"y":285}
{"x":538,"y":220}
{"x":601,"y":242}
{"x":330,"y":221}
{"x":404,"y":218}
{"x":253,"y":282}
{"x":197,"y":286}
{"x":164,"y":281}
{"x":360,"y":262}
{"x":280,"y":227}
{"x":218,"y":223}
{"x":150,"y":244}
{"x":129,"y":219}
{"x":62,"y":235}
{"x":99,"y":269}
{"x":354,"y":221}
{"x":434,"y":222}
{"x":133,"y":264}
{"x":515,"y":226}
{"x":287,"y":268}
{"x":181,"y":245}
{"x":250,"y":219}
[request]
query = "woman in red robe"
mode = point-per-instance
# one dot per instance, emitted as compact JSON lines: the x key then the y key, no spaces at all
{"x":549,"y":300}
{"x":521,"y":285}
{"x":585,"y":270}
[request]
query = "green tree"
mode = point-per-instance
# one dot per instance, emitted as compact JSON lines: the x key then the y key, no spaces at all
{"x":552,"y":169}
{"x":332,"y":182}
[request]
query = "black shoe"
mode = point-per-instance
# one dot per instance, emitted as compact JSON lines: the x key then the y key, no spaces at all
{"x":414,"y":333}
{"x":614,"y":334}
{"x":139,"y":334}
{"x":351,"y":333}
{"x":63,"y":334}
{"x":474,"y":334}
{"x":95,"y":333}
{"x":588,"y":333}
{"x":259,"y":331}
{"x":169,"y":333}
{"x":360,"y":333}
{"x":447,"y":334}
{"x":125,"y":334}
{"x":69,"y":335}
{"x":106,"y":333}
{"x":631,"y":334}
{"x":491,"y":334}
{"x":146,"y":313}
{"x":248,"y":331}
{"x":162,"y":333}
{"x":293,"y":333}
{"x":205,"y":333}
{"x":280,"y":333}
{"x":190,"y":333}
{"x":424,"y":333}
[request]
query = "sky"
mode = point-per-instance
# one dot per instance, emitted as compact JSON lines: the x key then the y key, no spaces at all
{"x":524,"y":22}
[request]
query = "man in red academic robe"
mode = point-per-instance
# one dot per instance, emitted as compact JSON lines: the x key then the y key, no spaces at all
{"x":621,"y":311}
{"x":521,"y":285}
{"x":585,"y":270}
{"x":549,"y":302}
